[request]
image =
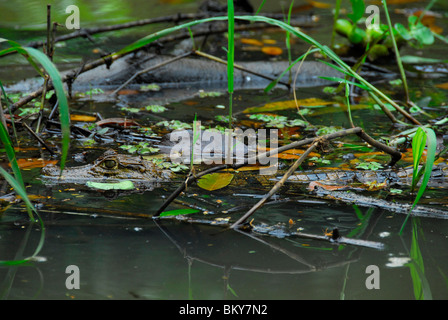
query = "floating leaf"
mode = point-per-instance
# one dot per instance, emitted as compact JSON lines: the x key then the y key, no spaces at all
{"x":269,"y":41}
{"x":272,"y":51}
{"x":442,"y":85}
{"x":81,"y":117}
{"x":289,"y":104}
{"x":215,"y":181}
{"x":118,"y":122}
{"x":252,"y":42}
{"x":178,"y":212}
{"x":318,"y":4}
{"x":122,"y":185}
{"x":155,"y":108}
{"x":150,"y":87}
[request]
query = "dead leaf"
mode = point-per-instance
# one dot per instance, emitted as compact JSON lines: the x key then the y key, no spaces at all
{"x":81,"y":117}
{"x":252,"y":42}
{"x":442,"y":85}
{"x":272,"y":51}
{"x":118,"y":122}
{"x":126,"y":92}
{"x":31,"y":163}
{"x":290,"y":154}
{"x":318,"y":4}
{"x":269,"y":41}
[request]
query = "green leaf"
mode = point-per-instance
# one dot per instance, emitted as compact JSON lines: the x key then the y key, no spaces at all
{"x":122,"y":185}
{"x":422,"y":290}
{"x":421,"y":60}
{"x":20,"y":190}
{"x":64,"y":114}
{"x":403,"y":32}
{"x":155,"y":108}
{"x":358,"y":8}
{"x":431,"y":142}
{"x":215,"y":181}
{"x":178,"y":212}
{"x":430,"y":156}
{"x":340,"y":80}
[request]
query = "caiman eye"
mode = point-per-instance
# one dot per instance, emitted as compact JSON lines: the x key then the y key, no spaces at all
{"x":110,"y":164}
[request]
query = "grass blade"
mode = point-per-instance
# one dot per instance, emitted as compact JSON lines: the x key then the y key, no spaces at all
{"x":20,"y":190}
{"x":64,"y":113}
{"x":430,"y":156}
{"x":274,"y":83}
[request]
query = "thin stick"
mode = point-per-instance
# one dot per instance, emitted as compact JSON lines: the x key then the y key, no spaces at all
{"x":276,"y":187}
{"x":42,"y":142}
{"x":48,"y":44}
{"x":384,"y":108}
{"x":397,"y":53}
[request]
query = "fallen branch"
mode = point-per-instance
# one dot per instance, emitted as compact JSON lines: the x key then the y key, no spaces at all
{"x":298,"y":21}
{"x":396,"y":155}
{"x":71,"y":75}
{"x":276,"y":187}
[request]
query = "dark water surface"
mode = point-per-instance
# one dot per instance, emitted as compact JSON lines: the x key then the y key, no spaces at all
{"x":122,"y":253}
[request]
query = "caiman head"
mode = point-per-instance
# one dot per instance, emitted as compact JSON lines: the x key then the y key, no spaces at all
{"x":110,"y":165}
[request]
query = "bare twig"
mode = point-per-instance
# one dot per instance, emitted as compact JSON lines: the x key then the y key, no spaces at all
{"x":276,"y":187}
{"x":42,"y":142}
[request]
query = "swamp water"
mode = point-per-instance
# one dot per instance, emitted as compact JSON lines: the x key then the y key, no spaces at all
{"x":122,"y":253}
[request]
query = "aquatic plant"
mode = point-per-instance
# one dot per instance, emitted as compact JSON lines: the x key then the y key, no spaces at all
{"x":32,"y":55}
{"x":422,"y":138}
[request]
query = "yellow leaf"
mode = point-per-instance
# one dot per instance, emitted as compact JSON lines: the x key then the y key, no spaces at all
{"x":290,"y":104}
{"x":252,"y":42}
{"x":80,"y":117}
{"x":442,"y":85}
{"x":269,"y":41}
{"x":318,"y":4}
{"x":215,"y":181}
{"x":272,"y":51}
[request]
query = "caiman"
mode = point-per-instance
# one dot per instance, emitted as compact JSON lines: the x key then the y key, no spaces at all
{"x":388,"y":177}
{"x":191,"y":74}
{"x":114,"y":166}
{"x":111,"y":166}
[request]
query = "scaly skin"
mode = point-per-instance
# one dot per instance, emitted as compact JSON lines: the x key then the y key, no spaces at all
{"x":110,"y":165}
{"x":401,"y":176}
